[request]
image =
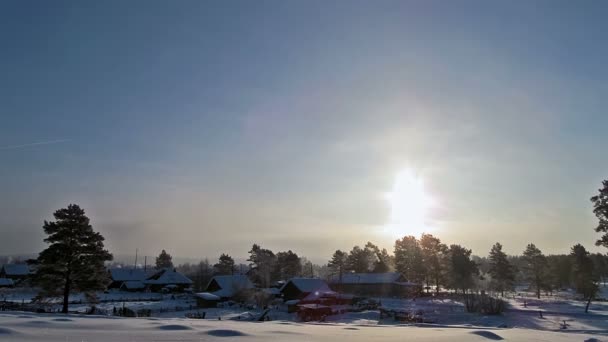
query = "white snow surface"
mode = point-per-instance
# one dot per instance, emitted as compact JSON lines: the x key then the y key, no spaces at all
{"x":24,"y":327}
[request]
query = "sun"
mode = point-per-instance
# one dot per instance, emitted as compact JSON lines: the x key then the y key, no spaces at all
{"x":409,"y":206}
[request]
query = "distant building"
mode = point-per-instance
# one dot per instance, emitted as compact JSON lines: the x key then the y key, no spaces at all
{"x":206,"y":300}
{"x":167,"y":278}
{"x":299,"y":288}
{"x":390,"y":284}
{"x":6,"y":282}
{"x":226,"y":286}
{"x":15,"y":272}
{"x":128,"y":278}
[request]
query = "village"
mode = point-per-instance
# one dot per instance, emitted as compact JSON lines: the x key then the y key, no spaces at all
{"x":367,"y":299}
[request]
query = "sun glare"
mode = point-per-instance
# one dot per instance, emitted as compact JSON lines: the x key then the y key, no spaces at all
{"x":409,"y":206}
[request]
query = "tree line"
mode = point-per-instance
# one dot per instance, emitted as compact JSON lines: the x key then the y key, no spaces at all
{"x":76,"y":259}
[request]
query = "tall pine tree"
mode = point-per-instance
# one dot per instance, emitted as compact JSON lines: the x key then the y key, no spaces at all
{"x":225,"y":265}
{"x":600,"y":209}
{"x":408,"y":259}
{"x":164,"y":260}
{"x":461,"y":269}
{"x":501,"y":270}
{"x":337,"y":264}
{"x":585,"y":280}
{"x":535,"y":267}
{"x":74,"y":259}
{"x":434,"y":256}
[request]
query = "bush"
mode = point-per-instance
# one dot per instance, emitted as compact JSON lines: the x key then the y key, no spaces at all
{"x":484,"y":304}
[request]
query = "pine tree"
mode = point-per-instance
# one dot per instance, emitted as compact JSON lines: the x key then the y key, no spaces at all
{"x":74,"y":260}
{"x":461,"y":269}
{"x":225,"y":265}
{"x":584,"y":279}
{"x":408,"y":259}
{"x":164,"y":260}
{"x":600,"y":209}
{"x":360,"y":260}
{"x":288,"y":265}
{"x":502,"y":272}
{"x":434,"y":256}
{"x":262,"y":265}
{"x":337,"y":264}
{"x":384,"y":261}
{"x":535,"y":267}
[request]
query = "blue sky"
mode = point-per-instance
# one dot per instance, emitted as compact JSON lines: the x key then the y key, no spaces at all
{"x":202,"y":127}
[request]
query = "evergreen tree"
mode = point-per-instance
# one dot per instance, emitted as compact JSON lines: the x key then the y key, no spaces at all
{"x":535,"y":267}
{"x":384,"y":261}
{"x":461,"y":269}
{"x":434,"y":256}
{"x":502,"y":272}
{"x":262,"y":263}
{"x":600,"y":209}
{"x":584,"y":279}
{"x":600,"y":266}
{"x":408,"y":259}
{"x":560,"y":271}
{"x":361,"y":260}
{"x":74,"y":259}
{"x":225,"y":265}
{"x":288,"y":265}
{"x":164,"y":260}
{"x":337,"y":264}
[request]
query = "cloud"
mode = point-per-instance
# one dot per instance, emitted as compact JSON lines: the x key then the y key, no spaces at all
{"x":49,"y":142}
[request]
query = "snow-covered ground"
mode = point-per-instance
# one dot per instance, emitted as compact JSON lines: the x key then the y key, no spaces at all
{"x":562,"y":312}
{"x":25,"y":327}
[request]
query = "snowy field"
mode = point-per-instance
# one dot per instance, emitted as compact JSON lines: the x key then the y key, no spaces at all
{"x":563,"y":318}
{"x":24,"y":327}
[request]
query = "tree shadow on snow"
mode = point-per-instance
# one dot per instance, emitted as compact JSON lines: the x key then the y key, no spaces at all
{"x":487,"y":334}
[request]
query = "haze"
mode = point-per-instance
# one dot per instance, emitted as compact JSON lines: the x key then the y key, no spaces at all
{"x":202,"y":127}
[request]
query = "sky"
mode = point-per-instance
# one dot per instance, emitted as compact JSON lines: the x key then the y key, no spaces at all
{"x":202,"y":127}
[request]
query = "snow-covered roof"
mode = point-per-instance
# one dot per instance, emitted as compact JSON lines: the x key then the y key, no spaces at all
{"x":308,"y":284}
{"x":133,"y":285}
{"x":230,"y":284}
{"x":367,"y":278}
{"x":272,"y":291}
{"x":6,"y":282}
{"x":16,"y":269}
{"x":206,"y":296}
{"x":128,"y":274}
{"x":168,"y":276}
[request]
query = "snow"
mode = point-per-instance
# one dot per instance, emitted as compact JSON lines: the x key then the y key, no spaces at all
{"x":207,"y":296}
{"x":16,"y":269}
{"x":309,"y":284}
{"x":6,"y":282}
{"x":28,"y":327}
{"x":133,"y":285}
{"x":168,"y":276}
{"x":128,"y":274}
{"x":230,"y":284}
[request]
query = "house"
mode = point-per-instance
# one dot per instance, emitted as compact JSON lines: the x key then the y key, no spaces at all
{"x":227,"y":286}
{"x":167,"y":278}
{"x":133,"y":286}
{"x":299,"y":288}
{"x":390,"y":284}
{"x":206,"y":300}
{"x":6,"y":282}
{"x":130,"y":279}
{"x":15,"y":272}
